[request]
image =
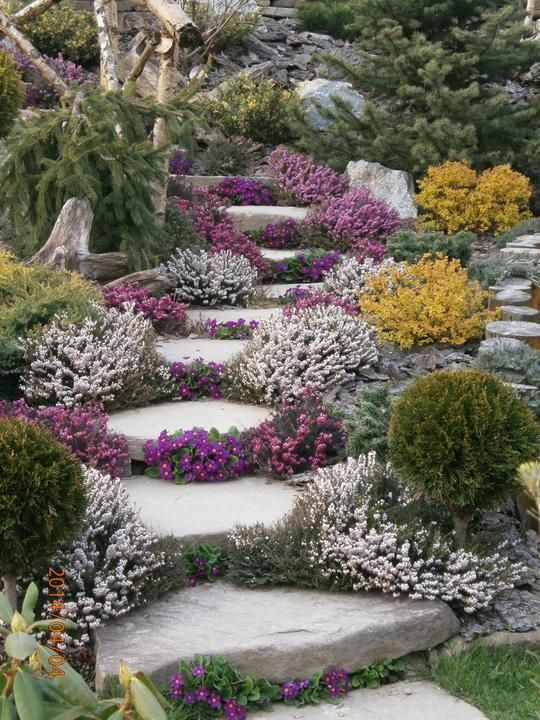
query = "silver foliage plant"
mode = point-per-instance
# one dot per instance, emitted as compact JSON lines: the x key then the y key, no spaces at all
{"x":219,"y":278}
{"x":113,"y":561}
{"x":318,"y":347}
{"x":109,"y":358}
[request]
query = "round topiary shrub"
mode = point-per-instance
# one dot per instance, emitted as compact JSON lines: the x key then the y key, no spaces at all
{"x":11,"y":92}
{"x":459,"y":437}
{"x":42,"y":498}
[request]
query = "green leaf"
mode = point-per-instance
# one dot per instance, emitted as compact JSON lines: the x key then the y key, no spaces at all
{"x":20,"y":646}
{"x":6,"y":611}
{"x":44,"y":624}
{"x":7,"y":709}
{"x":27,"y":696}
{"x":71,"y":714}
{"x":70,"y":684}
{"x":29,"y":603}
{"x":145,"y":702}
{"x":148,"y":683}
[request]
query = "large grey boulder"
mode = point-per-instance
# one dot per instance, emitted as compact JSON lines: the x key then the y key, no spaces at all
{"x":395,"y":187}
{"x":319,"y":94}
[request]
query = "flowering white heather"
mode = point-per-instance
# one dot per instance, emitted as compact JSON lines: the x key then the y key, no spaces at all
{"x":110,"y":564}
{"x":349,"y":275}
{"x":212,"y":278}
{"x":317,"y":347}
{"x":354,"y":540}
{"x":107,"y":356}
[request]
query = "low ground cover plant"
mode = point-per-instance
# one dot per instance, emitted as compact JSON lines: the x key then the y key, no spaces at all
{"x":459,"y":437}
{"x":109,"y":359}
{"x":167,"y":316}
{"x":301,"y":181}
{"x":197,"y":378}
{"x":453,"y":197}
{"x":318,"y":347}
{"x":430,"y":301}
{"x":244,"y":191}
{"x":301,"y":435}
{"x":231,"y":329}
{"x":83,"y":431}
{"x":180,"y":163}
{"x":305,"y":266}
{"x":205,"y":563}
{"x":196,"y":455}
{"x":409,"y":246}
{"x":367,"y":425}
{"x":278,"y":236}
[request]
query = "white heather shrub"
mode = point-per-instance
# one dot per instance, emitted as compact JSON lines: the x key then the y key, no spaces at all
{"x":317,"y":347}
{"x":345,"y":528}
{"x":114,"y":561}
{"x":110,"y":358}
{"x":219,"y":278}
{"x":349,"y":275}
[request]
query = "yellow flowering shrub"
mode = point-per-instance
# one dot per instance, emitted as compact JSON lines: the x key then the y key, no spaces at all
{"x":453,"y":197}
{"x":427,"y":302}
{"x":257,"y":110}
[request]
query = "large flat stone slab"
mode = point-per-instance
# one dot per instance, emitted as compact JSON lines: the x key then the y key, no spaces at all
{"x":402,"y":701}
{"x":180,"y":349}
{"x":207,"y":512}
{"x":256,"y":217}
{"x":279,"y":289}
{"x":278,"y":255}
{"x":225,"y":314}
{"x":276,"y":633}
{"x":141,"y":424}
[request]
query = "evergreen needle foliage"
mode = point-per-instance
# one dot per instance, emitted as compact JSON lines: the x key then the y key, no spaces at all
{"x":435,"y":72}
{"x":99,"y":150}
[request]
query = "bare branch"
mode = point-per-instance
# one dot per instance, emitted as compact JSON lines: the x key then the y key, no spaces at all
{"x":32,"y":10}
{"x":108,"y":67}
{"x":149,"y":49}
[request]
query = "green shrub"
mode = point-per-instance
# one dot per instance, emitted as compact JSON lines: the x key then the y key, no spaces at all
{"x":223,"y":157}
{"x":237,"y":25}
{"x":62,"y":29}
{"x":180,"y":232}
{"x":459,"y":437}
{"x":333,"y":17}
{"x":409,"y":246}
{"x":367,"y":427}
{"x":494,"y":270}
{"x":43,"y":497}
{"x":11,"y":92}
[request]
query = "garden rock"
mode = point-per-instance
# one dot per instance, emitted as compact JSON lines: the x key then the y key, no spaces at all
{"x":318,"y":96}
{"x":256,"y":217}
{"x":219,"y":351}
{"x":276,"y":633}
{"x":395,"y":187}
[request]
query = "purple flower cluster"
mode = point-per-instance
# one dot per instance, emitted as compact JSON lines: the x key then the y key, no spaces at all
{"x":229,"y":706}
{"x":356,"y":222}
{"x":83,"y":431}
{"x":195,"y":455}
{"x":305,"y":267}
{"x":291,"y":689}
{"x":336,"y":682}
{"x":303,"y":181}
{"x":299,"y":299}
{"x":244,"y":191}
{"x":167,"y":316}
{"x":285,"y":234}
{"x":180,"y":164}
{"x":197,"y":379}
{"x":230,"y":330}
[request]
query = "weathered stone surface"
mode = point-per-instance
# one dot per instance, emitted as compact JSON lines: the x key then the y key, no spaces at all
{"x":220,"y":351}
{"x":279,"y":12}
{"x":271,"y":254}
{"x":529,"y":332}
{"x":223,"y":315}
{"x":256,"y":217}
{"x":276,"y":633}
{"x":395,"y":187}
{"x":207,"y":512}
{"x":402,"y":701}
{"x":499,"y":343}
{"x":511,"y":296}
{"x":526,"y":241}
{"x":279,"y":289}
{"x":142,"y":424}
{"x":320,"y":93}
{"x":518,"y":312}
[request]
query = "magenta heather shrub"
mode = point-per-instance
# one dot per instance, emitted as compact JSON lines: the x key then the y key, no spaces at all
{"x":196,"y":455}
{"x":240,"y":244}
{"x":285,"y":234}
{"x":299,"y":299}
{"x":303,"y":181}
{"x":244,"y":191}
{"x":83,"y":431}
{"x":167,"y":316}
{"x":197,"y":379}
{"x":356,"y":222}
{"x":301,"y":435}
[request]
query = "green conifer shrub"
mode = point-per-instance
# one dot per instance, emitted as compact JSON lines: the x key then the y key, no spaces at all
{"x":409,"y":246}
{"x":459,"y":437}
{"x":367,"y":427}
{"x":435,"y":72}
{"x":332,"y":17}
{"x":11,"y":92}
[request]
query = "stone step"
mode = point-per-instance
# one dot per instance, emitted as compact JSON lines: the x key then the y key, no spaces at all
{"x":279,"y":13}
{"x":517,"y":312}
{"x":277,"y":255}
{"x":207,"y":512}
{"x":510,"y":296}
{"x":401,"y":701}
{"x":178,"y":182}
{"x":141,"y":424}
{"x":515,"y":283}
{"x":529,"y":332}
{"x":231,"y":313}
{"x":209,"y":349}
{"x":277,"y":633}
{"x":521,"y":252}
{"x":525,"y":242}
{"x":279,"y":289}
{"x":256,"y":217}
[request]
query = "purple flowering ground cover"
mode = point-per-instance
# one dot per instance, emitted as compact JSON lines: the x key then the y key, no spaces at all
{"x":197,"y":379}
{"x":231,"y":329}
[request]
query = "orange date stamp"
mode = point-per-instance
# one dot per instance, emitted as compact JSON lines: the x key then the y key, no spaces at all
{"x":57,"y":586}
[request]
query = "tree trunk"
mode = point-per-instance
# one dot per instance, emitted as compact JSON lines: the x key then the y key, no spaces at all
{"x":32,"y":10}
{"x":10,"y":589}
{"x":175,"y":22}
{"x":155,"y":280}
{"x":108,"y":70}
{"x":461,"y":525}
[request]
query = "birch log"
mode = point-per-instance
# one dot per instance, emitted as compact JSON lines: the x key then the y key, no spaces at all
{"x":174,"y":21}
{"x":108,"y":69}
{"x":32,"y":10}
{"x":150,"y":47}
{"x":36,"y":58}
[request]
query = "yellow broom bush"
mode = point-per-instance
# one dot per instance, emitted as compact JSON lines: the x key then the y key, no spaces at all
{"x":453,"y":197}
{"x":427,"y":302}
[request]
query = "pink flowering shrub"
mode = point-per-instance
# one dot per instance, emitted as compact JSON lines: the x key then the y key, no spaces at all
{"x":301,"y":435}
{"x":167,"y":316}
{"x":303,"y":181}
{"x":84,"y":432}
{"x":356,"y":222}
{"x":298,"y":299}
{"x":284,"y":234}
{"x":244,"y":191}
